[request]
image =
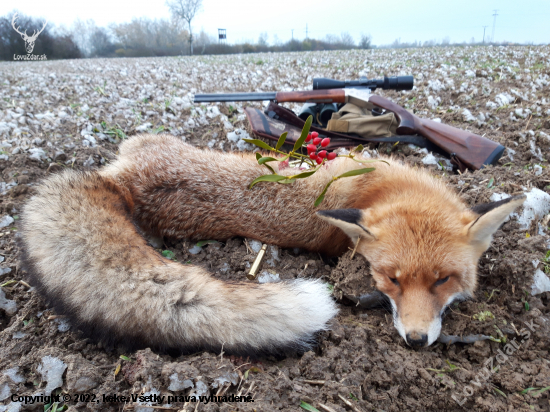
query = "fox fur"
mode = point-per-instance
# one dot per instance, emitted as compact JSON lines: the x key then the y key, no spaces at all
{"x":82,"y":236}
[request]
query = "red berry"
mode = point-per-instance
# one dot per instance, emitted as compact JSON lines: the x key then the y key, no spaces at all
{"x":311,"y":148}
{"x":322,"y":154}
{"x":316,"y":140}
{"x":319,"y":160}
{"x":331,"y":156}
{"x":312,"y":156}
{"x":314,"y":134}
{"x":309,"y":137}
{"x":325,"y":142}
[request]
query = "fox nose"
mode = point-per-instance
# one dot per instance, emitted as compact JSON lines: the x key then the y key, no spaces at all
{"x":417,"y":340}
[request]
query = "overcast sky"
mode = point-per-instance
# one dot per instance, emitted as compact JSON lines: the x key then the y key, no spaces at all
{"x":384,"y":20}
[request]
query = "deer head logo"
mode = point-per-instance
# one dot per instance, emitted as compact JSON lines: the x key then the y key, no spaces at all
{"x":29,"y":40}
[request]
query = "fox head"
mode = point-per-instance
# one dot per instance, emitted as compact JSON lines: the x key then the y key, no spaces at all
{"x":422,"y":257}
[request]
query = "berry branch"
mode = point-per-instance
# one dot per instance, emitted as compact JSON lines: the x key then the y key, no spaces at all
{"x":316,"y":157}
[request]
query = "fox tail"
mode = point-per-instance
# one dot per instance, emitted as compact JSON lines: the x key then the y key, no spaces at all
{"x":84,"y":253}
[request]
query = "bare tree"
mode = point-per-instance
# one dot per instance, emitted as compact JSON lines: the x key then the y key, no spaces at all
{"x":185,"y":10}
{"x":331,"y":39}
{"x":346,"y":39}
{"x":262,"y":40}
{"x":82,"y":32}
{"x":366,"y":41}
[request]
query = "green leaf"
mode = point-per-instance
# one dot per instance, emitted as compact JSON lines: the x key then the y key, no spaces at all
{"x":259,"y":157}
{"x":126,"y":358}
{"x":201,"y":243}
{"x":523,"y":392}
{"x":259,"y":143}
{"x":304,"y":134}
{"x":307,"y":406}
{"x":168,"y":254}
{"x":155,"y":131}
{"x":281,"y":140}
{"x":304,"y":174}
{"x":267,"y":178}
{"x":262,"y":160}
{"x":270,"y":168}
{"x":541,"y":391}
{"x":499,"y":392}
{"x":491,"y":181}
{"x":358,"y":148}
{"x":288,"y":181}
{"x":321,"y":197}
{"x":356,"y":172}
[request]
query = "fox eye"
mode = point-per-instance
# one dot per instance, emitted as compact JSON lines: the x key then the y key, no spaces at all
{"x":441,"y":281}
{"x":394,"y":281}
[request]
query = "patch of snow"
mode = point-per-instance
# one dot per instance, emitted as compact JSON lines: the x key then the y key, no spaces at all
{"x":255,"y":245}
{"x":274,"y":252}
{"x":144,"y":127}
{"x":200,"y":389}
{"x":268,"y":277}
{"x":541,"y":283}
{"x":229,"y":377}
{"x":536,"y":206}
{"x":468,"y":116}
{"x":13,"y":374}
{"x":63,"y":324}
{"x":8,"y":305}
{"x":176,"y":384}
{"x":6,"y":221}
{"x":37,"y":154}
{"x":503,"y":99}
{"x":195,"y":250}
{"x":5,"y":392}
{"x":51,"y":370}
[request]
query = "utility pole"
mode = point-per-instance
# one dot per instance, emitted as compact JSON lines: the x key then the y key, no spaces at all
{"x":306,"y":32}
{"x":484,"y":27}
{"x":495,"y":14}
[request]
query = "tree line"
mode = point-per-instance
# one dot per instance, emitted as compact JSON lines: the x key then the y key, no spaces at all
{"x":144,"y":37}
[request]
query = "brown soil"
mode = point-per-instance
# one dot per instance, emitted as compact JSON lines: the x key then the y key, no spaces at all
{"x":362,"y":364}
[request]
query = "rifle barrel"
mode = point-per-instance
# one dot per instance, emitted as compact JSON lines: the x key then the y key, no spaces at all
{"x":234,"y":97}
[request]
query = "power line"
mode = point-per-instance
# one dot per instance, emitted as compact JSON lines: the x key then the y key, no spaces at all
{"x":495,"y":14}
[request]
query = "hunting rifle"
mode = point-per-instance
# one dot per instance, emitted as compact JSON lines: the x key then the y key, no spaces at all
{"x":467,"y":149}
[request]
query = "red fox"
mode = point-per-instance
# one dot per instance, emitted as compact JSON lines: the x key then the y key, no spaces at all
{"x":83,"y":246}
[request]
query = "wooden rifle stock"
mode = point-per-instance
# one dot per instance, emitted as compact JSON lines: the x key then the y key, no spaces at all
{"x":472,"y":150}
{"x":313,"y":96}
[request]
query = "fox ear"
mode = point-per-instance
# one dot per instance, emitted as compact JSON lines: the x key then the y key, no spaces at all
{"x":492,"y":215}
{"x":349,"y":220}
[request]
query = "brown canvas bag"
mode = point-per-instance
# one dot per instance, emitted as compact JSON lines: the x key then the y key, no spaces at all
{"x":360,"y":120}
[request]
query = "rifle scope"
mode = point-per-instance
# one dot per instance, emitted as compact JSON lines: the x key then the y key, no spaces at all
{"x":392,"y":83}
